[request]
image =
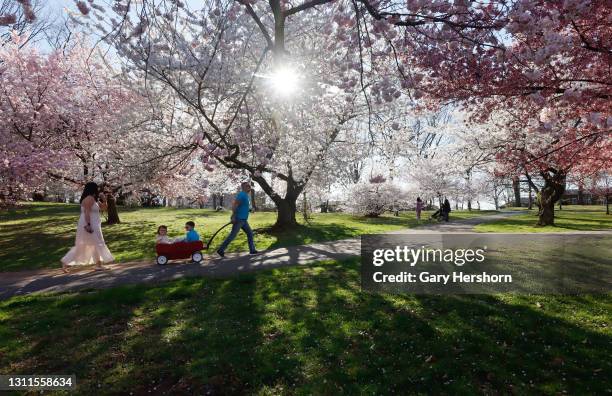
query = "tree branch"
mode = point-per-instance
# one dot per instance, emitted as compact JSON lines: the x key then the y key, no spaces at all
{"x":305,"y":6}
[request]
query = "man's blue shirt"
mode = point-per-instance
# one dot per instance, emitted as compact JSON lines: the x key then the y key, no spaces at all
{"x":242,"y":210}
{"x":192,"y":236}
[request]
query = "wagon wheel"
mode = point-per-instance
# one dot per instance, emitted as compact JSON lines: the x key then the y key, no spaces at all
{"x":196,"y":257}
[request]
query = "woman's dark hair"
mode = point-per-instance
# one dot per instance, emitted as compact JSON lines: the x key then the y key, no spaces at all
{"x":90,"y":188}
{"x":418,"y":199}
{"x":160,"y":227}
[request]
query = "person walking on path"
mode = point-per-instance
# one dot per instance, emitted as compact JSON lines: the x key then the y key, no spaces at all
{"x":419,"y":208}
{"x":446,"y":209}
{"x":89,"y":246}
{"x":240,"y":217}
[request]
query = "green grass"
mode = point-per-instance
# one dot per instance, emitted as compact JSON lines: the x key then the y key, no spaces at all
{"x":309,"y":330}
{"x":37,"y":235}
{"x":570,"y":218}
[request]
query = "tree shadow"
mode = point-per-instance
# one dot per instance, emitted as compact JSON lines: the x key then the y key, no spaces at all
{"x":39,"y":210}
{"x":35,"y":247}
{"x":563,"y":221}
{"x":307,"y":330}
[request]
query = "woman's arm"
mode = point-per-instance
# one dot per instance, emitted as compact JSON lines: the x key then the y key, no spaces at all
{"x":103,"y":205}
{"x":87,"y":204}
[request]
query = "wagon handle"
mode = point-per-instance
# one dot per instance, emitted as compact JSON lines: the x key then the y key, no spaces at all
{"x":215,"y":234}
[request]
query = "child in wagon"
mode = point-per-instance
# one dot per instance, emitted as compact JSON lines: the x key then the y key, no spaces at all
{"x":191,"y":235}
{"x":162,"y":235}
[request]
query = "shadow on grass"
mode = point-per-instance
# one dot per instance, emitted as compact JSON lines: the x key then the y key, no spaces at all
{"x":585,"y":225}
{"x":306,"y":330}
{"x":38,"y":235}
{"x":40,"y":210}
{"x":303,"y":234}
{"x":34,"y":249}
{"x":386,"y":220}
{"x":570,"y":221}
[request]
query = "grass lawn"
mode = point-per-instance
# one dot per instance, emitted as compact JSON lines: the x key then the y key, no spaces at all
{"x":309,"y":330}
{"x":37,"y":235}
{"x":570,"y":218}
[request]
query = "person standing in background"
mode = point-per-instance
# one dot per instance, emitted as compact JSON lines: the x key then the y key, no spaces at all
{"x":446,"y":209}
{"x":419,"y":208}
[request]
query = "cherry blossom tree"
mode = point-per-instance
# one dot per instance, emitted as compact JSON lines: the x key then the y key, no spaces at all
{"x":549,"y":149}
{"x":69,"y":117}
{"x":38,"y":113}
{"x":602,"y":185}
{"x":374,"y":197}
{"x":221,"y":182}
{"x":260,"y":104}
{"x":492,"y":184}
{"x":25,"y":18}
{"x":532,"y":58}
{"x":545,"y":64}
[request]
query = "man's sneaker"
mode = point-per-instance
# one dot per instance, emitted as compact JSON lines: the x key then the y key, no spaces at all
{"x":221,"y":253}
{"x":254,"y":252}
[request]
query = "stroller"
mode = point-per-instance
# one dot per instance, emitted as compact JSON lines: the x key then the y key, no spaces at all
{"x":442,"y":213}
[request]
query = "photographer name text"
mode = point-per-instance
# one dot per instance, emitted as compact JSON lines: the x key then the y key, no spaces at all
{"x":411,"y":257}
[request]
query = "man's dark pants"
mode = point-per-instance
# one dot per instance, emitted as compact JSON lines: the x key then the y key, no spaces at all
{"x":236,"y":227}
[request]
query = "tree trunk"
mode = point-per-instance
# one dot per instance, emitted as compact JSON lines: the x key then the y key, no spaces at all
{"x":214,"y":203}
{"x":580,"y":194}
{"x":607,"y":204}
{"x":546,"y":216}
{"x":516,"y":186}
{"x":554,"y":187}
{"x":530,"y":199}
{"x":38,"y":196}
{"x":286,"y":206}
{"x":305,"y":214}
{"x":285,"y":217}
{"x":113,"y":214}
{"x":469,"y":204}
{"x":253,"y":202}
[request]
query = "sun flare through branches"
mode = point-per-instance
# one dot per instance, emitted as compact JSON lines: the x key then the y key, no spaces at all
{"x":284,"y":81}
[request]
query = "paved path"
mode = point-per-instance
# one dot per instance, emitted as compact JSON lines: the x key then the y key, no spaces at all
{"x":466,"y":225}
{"x":25,"y":282}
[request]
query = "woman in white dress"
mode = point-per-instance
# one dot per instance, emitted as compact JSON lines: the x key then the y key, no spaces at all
{"x":89,"y":246}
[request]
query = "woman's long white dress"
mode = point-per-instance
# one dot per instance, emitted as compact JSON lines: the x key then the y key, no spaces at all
{"x":89,"y":248}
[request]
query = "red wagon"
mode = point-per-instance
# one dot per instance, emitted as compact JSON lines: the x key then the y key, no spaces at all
{"x":179,"y":250}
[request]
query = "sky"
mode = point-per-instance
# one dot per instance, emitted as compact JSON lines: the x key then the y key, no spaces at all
{"x":59,"y":5}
